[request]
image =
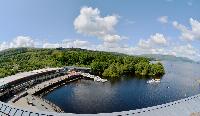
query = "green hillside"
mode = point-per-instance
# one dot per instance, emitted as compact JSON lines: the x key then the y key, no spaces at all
{"x":105,"y":64}
{"x":167,"y":57}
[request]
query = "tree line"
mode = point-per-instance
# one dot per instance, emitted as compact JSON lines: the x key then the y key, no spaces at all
{"x":106,"y":64}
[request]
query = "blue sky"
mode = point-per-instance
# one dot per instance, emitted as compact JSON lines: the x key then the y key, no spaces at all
{"x":127,"y":26}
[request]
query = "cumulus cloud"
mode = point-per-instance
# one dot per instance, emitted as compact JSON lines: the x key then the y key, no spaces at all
{"x":75,"y":44}
{"x":154,"y":40}
{"x":145,"y":44}
{"x":90,"y":22}
{"x":158,"y":39}
{"x":155,"y":44}
{"x":114,"y":47}
{"x":163,"y":19}
{"x":20,"y":41}
{"x":186,"y":51}
{"x":158,"y":44}
{"x":51,"y":45}
{"x":68,"y":44}
{"x":189,"y":34}
{"x":3,"y":46}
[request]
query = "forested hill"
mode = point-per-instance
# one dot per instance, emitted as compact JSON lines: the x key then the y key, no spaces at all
{"x":104,"y":64}
{"x":166,"y":57}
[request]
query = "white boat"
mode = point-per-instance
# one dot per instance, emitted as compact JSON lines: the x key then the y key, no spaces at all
{"x":104,"y":80}
{"x":153,"y":81}
{"x":95,"y":78}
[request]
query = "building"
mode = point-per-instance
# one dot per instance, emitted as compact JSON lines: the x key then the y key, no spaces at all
{"x":11,"y":85}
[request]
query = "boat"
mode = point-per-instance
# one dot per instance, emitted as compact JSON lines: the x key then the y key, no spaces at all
{"x":153,"y":81}
{"x":95,"y":78}
{"x":104,"y":80}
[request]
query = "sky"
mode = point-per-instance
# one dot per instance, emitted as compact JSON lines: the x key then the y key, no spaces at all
{"x":170,"y":27}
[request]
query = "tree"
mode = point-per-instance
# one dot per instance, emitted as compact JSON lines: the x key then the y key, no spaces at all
{"x":98,"y":67}
{"x":129,"y":68}
{"x":142,"y":68}
{"x":156,"y":69}
{"x":114,"y":70}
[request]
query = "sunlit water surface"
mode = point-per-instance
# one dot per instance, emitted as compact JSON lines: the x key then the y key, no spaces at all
{"x":128,"y":93}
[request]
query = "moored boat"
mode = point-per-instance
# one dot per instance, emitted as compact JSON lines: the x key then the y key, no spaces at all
{"x":153,"y":81}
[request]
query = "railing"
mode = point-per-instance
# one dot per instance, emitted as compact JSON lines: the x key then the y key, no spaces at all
{"x":8,"y":110}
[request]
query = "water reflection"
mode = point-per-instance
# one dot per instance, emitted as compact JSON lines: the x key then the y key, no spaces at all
{"x":128,"y":93}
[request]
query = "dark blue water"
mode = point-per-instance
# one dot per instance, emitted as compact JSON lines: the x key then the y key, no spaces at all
{"x":128,"y":93}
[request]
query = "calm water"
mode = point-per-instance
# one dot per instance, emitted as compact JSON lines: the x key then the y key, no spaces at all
{"x":128,"y":93}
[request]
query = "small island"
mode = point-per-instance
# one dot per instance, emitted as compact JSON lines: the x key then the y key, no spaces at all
{"x":105,"y":64}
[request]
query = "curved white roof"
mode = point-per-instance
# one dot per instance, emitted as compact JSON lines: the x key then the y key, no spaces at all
{"x":15,"y":77}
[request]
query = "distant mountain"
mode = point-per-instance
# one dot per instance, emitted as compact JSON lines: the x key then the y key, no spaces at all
{"x":167,"y":57}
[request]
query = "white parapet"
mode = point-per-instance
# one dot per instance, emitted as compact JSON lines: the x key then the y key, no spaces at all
{"x":183,"y":107}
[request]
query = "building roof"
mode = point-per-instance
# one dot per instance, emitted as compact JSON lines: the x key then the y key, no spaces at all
{"x":18,"y":76}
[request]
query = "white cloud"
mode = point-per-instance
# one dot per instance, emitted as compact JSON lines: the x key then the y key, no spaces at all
{"x":51,"y":45}
{"x":145,"y":44}
{"x":90,"y":22}
{"x":189,"y":34}
{"x":75,"y":44}
{"x":20,"y":41}
{"x":131,"y":50}
{"x":163,"y":19}
{"x":186,"y":51}
{"x":114,"y":47}
{"x":3,"y":46}
{"x":178,"y":50}
{"x":159,"y":39}
{"x":154,"y":40}
{"x":111,"y":38}
{"x":68,"y":44}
